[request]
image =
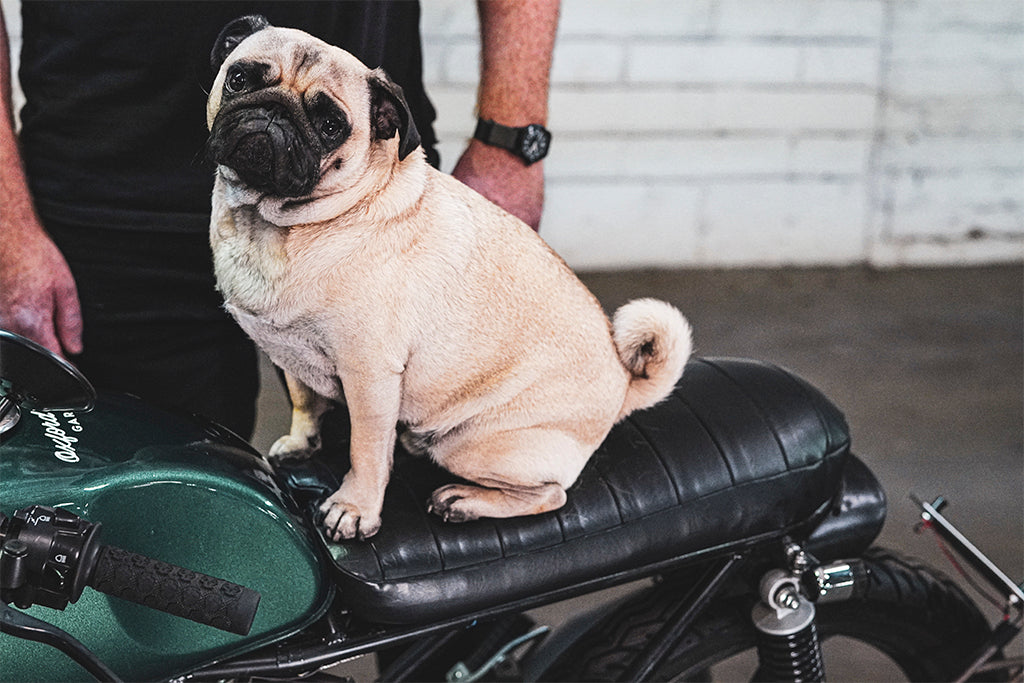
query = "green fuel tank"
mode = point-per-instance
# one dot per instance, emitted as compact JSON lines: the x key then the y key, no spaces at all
{"x":175,"y":488}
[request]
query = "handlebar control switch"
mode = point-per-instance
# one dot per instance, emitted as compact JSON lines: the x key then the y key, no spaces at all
{"x":45,"y":557}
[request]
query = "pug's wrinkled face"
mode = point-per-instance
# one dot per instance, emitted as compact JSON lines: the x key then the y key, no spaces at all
{"x":292,"y":117}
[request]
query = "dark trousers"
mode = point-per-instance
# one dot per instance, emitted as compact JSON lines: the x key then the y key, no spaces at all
{"x":154,"y":324}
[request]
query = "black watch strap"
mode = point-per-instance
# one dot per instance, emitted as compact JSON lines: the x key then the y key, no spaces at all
{"x":529,"y":143}
{"x":496,"y":135}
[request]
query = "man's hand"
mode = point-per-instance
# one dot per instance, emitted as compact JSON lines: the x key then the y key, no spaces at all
{"x":504,"y":179}
{"x":38,"y":297}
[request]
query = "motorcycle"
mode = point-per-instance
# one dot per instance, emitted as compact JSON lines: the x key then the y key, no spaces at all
{"x":739,"y":498}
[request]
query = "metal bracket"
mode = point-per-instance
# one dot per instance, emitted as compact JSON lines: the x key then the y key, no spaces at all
{"x":931,"y":515}
{"x":9,"y":414}
{"x":460,"y":673}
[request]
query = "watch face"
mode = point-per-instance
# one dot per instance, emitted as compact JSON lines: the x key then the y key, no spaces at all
{"x":535,"y":143}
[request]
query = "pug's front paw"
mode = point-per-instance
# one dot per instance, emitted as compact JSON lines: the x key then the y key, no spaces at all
{"x":345,"y":519}
{"x":292,"y":447}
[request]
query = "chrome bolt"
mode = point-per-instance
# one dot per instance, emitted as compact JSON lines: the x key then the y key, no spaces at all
{"x":787,"y":597}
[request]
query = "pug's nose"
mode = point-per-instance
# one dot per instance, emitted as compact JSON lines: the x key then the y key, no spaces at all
{"x":252,"y":158}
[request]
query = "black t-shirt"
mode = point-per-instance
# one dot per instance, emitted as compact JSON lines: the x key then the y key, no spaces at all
{"x":114,"y":125}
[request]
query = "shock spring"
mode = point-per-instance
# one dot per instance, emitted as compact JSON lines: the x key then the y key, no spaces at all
{"x":790,"y":657}
{"x":788,"y":648}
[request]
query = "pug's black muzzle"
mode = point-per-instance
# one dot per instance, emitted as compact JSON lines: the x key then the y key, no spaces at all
{"x":266,"y":143}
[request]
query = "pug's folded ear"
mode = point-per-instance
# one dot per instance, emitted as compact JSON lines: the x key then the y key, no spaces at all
{"x":390,"y":114}
{"x":234,"y":33}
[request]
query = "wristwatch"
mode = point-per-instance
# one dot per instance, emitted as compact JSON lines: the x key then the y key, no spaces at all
{"x":530,"y":143}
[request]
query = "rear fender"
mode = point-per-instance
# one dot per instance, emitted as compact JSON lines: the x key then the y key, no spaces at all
{"x":855,"y":518}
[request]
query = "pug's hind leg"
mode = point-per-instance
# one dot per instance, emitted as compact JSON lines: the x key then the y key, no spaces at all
{"x":308,"y":407}
{"x":462,"y":503}
{"x":516,"y":472}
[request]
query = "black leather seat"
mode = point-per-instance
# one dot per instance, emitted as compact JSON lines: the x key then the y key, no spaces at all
{"x":740,"y":451}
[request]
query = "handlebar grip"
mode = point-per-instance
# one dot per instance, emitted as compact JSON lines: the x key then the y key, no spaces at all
{"x":175,"y":590}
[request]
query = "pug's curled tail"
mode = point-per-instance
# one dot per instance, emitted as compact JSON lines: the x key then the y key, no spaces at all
{"x":654,"y":342}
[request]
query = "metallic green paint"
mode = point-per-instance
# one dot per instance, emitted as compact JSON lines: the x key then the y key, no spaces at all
{"x":176,"y":489}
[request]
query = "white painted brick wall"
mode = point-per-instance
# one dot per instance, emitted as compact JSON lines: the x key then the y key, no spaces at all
{"x":949,"y":167}
{"x":770,"y":132}
{"x":767,"y":132}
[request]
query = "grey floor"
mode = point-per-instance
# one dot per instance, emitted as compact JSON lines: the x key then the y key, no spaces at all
{"x":925,"y":363}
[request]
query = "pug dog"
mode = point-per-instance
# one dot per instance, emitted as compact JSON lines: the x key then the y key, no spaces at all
{"x":375,"y":280}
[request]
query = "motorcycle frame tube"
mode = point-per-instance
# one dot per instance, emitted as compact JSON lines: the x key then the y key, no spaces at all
{"x":665,"y":641}
{"x":288,"y":658}
{"x":407,"y":663}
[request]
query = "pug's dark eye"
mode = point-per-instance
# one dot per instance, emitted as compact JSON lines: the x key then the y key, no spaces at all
{"x":328,"y":120}
{"x":236,"y":81}
{"x":329,"y":128}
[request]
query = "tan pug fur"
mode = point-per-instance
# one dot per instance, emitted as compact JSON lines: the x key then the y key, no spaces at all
{"x":400,"y":291}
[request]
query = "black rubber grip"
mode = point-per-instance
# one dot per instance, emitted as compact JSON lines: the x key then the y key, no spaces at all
{"x":174,"y":590}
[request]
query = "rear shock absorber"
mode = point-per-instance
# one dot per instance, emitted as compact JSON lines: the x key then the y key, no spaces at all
{"x":787,"y":645}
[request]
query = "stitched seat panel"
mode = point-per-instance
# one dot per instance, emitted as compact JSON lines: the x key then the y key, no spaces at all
{"x":740,"y":450}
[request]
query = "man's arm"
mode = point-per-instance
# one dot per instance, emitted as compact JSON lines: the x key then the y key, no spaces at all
{"x":38,"y":298}
{"x":517,"y":40}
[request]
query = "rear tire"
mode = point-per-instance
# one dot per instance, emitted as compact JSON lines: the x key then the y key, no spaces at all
{"x":913,"y":614}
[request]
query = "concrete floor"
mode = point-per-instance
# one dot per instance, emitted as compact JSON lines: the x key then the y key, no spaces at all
{"x":925,"y":363}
